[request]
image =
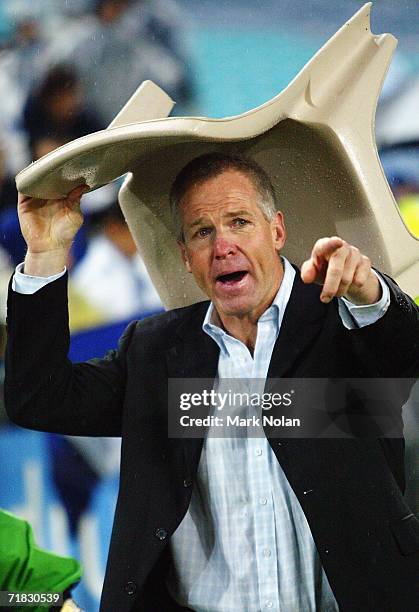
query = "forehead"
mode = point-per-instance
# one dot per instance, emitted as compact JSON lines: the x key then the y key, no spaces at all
{"x":228,"y":188}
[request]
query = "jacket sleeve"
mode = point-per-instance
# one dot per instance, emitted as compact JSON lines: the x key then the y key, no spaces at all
{"x":43,"y":389}
{"x":393,"y":340}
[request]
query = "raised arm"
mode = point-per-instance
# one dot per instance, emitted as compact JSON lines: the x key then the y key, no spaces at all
{"x":43,"y":389}
{"x":343,"y":271}
{"x":49,"y":228}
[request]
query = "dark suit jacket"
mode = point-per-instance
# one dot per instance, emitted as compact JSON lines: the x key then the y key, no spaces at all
{"x":366,"y":536}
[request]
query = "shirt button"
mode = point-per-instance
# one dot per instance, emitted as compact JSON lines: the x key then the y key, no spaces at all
{"x":130,"y":588}
{"x":258,"y":452}
{"x":187,"y":482}
{"x":161,"y":533}
{"x":268,"y":604}
{"x":266,"y":553}
{"x":263,"y":501}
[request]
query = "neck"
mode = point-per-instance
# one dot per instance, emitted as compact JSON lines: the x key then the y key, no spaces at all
{"x":244,"y":327}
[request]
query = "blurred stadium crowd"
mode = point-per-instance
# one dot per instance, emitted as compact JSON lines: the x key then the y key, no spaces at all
{"x":66,"y":69}
{"x":67,"y":73}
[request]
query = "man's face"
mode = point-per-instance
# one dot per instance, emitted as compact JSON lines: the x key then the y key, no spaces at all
{"x":229,"y":246}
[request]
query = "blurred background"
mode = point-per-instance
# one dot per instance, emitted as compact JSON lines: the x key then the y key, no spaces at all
{"x":66,"y":69}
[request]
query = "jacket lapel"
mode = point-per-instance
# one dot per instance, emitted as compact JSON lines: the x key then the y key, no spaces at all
{"x":194,"y":356}
{"x":303,"y":319}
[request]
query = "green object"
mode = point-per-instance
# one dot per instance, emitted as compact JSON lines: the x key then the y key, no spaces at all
{"x":409,"y":209}
{"x":26,"y":568}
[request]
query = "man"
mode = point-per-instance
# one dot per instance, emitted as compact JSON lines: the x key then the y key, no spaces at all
{"x":293,"y":525}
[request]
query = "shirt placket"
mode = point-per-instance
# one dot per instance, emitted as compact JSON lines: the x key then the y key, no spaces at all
{"x":259,"y":477}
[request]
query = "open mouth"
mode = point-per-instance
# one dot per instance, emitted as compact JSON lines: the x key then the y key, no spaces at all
{"x":232,"y":278}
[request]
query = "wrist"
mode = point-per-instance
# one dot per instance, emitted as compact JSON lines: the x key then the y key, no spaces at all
{"x":45,"y":263}
{"x":369,"y":293}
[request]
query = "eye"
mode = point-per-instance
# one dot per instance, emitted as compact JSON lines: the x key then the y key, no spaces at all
{"x":239,"y":222}
{"x":203,"y":232}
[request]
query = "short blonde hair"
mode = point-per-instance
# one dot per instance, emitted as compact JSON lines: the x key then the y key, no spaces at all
{"x":210,"y":165}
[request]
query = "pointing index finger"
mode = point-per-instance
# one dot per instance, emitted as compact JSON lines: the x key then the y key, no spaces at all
{"x":325,"y":247}
{"x":315,"y":268}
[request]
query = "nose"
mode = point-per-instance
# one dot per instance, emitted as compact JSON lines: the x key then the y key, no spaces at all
{"x":223,"y":247}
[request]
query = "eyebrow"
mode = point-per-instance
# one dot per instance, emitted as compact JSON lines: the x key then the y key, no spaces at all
{"x":239,"y":213}
{"x":233,"y":213}
{"x":196,"y":222}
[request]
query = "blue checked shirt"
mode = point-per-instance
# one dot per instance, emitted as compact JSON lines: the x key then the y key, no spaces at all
{"x":244,"y":544}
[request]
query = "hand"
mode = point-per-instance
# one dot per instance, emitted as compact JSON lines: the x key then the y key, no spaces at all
{"x":343,"y":271}
{"x":49,"y":228}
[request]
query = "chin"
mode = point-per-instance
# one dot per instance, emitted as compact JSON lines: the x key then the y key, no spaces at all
{"x":233,"y":308}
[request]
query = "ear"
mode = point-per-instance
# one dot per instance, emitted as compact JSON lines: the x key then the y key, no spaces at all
{"x":184,"y":255}
{"x":279,"y":231}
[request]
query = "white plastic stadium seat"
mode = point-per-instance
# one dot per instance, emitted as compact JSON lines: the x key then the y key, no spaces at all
{"x":315,"y":139}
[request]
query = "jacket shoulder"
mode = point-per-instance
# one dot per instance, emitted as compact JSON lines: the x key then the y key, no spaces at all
{"x":163,"y":327}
